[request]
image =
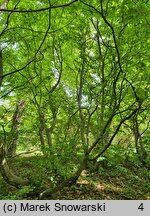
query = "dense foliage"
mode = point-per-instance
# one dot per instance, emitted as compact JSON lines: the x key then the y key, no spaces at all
{"x":74,"y":87}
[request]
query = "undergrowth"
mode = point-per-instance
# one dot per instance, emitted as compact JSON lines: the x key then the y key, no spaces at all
{"x":117,"y":182}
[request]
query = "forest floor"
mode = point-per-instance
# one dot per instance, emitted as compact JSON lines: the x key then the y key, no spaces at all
{"x":114,"y":182}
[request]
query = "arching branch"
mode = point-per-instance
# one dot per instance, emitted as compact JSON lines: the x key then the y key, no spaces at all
{"x":7,"y":173}
{"x":38,"y":10}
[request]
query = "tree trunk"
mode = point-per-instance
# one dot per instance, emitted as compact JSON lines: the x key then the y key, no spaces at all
{"x":49,"y":137}
{"x":41,"y":130}
{"x":141,"y":152}
{"x":68,"y":182}
{"x":7,"y":173}
{"x":1,"y":67}
{"x":49,"y":130}
{"x":16,"y":120}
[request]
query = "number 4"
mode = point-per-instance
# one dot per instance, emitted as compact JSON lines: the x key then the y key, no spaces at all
{"x":141,"y":207}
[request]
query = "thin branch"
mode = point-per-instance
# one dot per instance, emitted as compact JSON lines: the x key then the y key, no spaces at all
{"x":138,"y":99}
{"x":91,"y":6}
{"x":60,"y":59}
{"x":115,"y":133}
{"x":37,"y":31}
{"x":102,"y":133}
{"x":38,"y":10}
{"x":37,"y":51}
{"x":18,"y":87}
{"x":146,"y":128}
{"x":8,"y":18}
{"x":114,"y":38}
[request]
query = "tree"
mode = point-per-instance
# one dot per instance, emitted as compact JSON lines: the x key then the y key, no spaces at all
{"x":79,"y":70}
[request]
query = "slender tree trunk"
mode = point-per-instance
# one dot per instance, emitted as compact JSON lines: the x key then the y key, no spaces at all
{"x":142,"y":154}
{"x":7,"y":173}
{"x":14,"y":133}
{"x":41,"y":130}
{"x":79,"y":98}
{"x":68,"y":182}
{"x":49,"y":130}
{"x":5,"y":170}
{"x":49,"y":136}
{"x":1,"y":66}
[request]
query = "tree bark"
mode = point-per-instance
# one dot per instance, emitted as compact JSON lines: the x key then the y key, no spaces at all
{"x":68,"y":182}
{"x":1,"y":67}
{"x":141,"y":152}
{"x":5,"y":170}
{"x":16,"y":120}
{"x":7,"y":173}
{"x":41,"y":130}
